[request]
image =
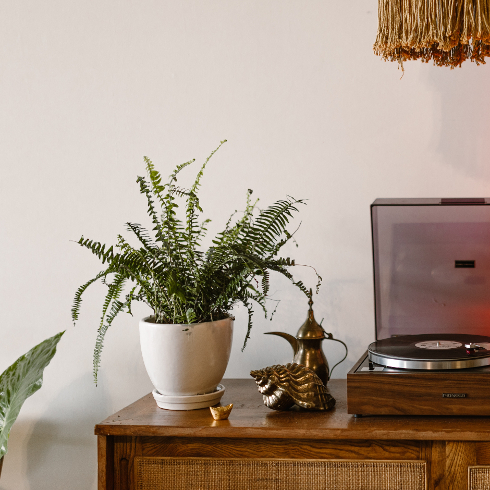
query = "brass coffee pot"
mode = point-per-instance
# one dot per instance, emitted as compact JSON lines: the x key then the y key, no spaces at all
{"x":307,"y":345}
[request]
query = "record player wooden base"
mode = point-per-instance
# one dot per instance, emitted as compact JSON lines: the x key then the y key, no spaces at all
{"x":145,"y":447}
{"x":403,"y":392}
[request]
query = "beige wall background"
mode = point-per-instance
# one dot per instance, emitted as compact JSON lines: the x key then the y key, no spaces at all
{"x":88,"y":88}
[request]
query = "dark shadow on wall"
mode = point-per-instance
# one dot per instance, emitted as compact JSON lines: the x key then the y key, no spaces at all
{"x":462,"y":134}
{"x":63,"y":453}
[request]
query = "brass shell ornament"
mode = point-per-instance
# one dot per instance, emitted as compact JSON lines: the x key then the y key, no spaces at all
{"x":283,"y":386}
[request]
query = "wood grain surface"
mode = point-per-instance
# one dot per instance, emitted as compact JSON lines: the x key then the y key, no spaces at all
{"x":482,"y":453}
{"x":250,"y":418}
{"x":459,"y":455}
{"x":437,"y":460}
{"x":105,"y":461}
{"x":125,"y":450}
{"x":421,"y":393}
{"x":274,"y":448}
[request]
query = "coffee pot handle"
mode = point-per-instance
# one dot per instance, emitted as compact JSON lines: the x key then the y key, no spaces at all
{"x":329,"y":336}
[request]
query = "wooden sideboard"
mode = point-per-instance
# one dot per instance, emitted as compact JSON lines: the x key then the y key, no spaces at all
{"x":143,"y":447}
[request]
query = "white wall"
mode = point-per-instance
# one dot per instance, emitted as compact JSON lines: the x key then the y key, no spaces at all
{"x":88,"y":88}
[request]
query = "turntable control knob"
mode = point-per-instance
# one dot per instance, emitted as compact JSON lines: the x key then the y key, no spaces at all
{"x":371,"y":366}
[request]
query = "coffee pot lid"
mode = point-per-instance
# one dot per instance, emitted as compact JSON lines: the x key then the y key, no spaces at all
{"x":310,"y":329}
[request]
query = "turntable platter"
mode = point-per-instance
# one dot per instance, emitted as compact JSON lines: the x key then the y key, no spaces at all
{"x":431,"y":351}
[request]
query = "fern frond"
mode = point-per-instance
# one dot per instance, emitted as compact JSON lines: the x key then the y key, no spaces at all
{"x":178,"y":168}
{"x":155,"y":180}
{"x":265,"y":282}
{"x":178,"y":191}
{"x":77,"y":301}
{"x":197,"y":181}
{"x":249,"y":323}
{"x":193,"y":230}
{"x":114,"y":291}
{"x":130,"y":297}
{"x":113,"y":294}
{"x":190,"y":315}
{"x":99,"y":345}
{"x":142,"y":235}
{"x":97,"y":249}
{"x":270,"y":225}
{"x":144,"y":189}
{"x":116,"y":307}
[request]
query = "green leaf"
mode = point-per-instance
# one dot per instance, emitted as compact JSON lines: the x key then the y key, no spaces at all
{"x":21,"y":380}
{"x":190,"y":315}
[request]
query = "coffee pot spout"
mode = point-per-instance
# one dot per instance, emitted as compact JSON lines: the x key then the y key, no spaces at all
{"x":292,"y":340}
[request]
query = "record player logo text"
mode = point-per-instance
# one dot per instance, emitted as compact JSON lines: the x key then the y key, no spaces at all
{"x":454,"y":395}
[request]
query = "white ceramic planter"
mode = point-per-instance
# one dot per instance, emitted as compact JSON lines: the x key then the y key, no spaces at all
{"x":184,"y":360}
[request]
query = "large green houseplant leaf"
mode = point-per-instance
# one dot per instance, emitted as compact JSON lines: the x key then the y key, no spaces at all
{"x":19,"y":381}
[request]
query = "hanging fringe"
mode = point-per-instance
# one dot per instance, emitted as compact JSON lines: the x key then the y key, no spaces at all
{"x":445,"y":31}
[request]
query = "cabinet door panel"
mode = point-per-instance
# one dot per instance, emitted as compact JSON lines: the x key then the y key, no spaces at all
{"x":275,"y":474}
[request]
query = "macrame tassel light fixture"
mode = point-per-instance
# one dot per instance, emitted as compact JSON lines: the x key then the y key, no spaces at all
{"x":445,"y":31}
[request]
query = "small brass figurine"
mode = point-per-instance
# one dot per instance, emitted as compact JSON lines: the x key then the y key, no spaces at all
{"x":307,"y":345}
{"x":284,"y":386}
{"x":221,"y":413}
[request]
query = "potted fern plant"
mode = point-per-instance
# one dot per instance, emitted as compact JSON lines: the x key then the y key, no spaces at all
{"x":186,"y":342}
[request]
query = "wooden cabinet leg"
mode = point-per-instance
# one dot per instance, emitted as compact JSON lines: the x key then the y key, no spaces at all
{"x":105,"y":456}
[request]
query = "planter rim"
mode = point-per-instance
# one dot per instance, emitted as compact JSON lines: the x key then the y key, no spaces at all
{"x":146,"y":318}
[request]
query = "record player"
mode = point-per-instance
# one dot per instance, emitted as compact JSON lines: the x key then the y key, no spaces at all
{"x":431,"y":356}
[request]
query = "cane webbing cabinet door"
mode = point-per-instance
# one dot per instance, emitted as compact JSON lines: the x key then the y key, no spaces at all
{"x":252,"y":474}
{"x":143,"y":447}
